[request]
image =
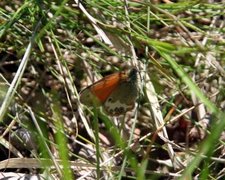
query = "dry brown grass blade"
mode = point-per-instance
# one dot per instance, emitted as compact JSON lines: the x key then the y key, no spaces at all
{"x":159,"y":122}
{"x":94,"y":23}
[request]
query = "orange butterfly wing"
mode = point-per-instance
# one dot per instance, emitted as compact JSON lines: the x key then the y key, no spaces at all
{"x":104,"y":87}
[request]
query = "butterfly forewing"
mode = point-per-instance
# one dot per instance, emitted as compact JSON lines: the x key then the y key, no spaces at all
{"x":97,"y":93}
{"x":103,"y":88}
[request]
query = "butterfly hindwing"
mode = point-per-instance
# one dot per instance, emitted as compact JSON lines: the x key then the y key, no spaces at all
{"x":122,"y":99}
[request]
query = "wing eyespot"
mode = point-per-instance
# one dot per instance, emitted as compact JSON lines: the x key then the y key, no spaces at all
{"x":110,"y":99}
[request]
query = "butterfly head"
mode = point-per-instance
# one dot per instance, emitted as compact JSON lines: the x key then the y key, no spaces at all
{"x":133,"y":75}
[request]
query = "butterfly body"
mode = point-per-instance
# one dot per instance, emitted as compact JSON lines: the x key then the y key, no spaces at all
{"x":116,"y":92}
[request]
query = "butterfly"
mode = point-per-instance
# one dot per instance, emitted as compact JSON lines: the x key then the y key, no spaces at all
{"x":117,"y":92}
